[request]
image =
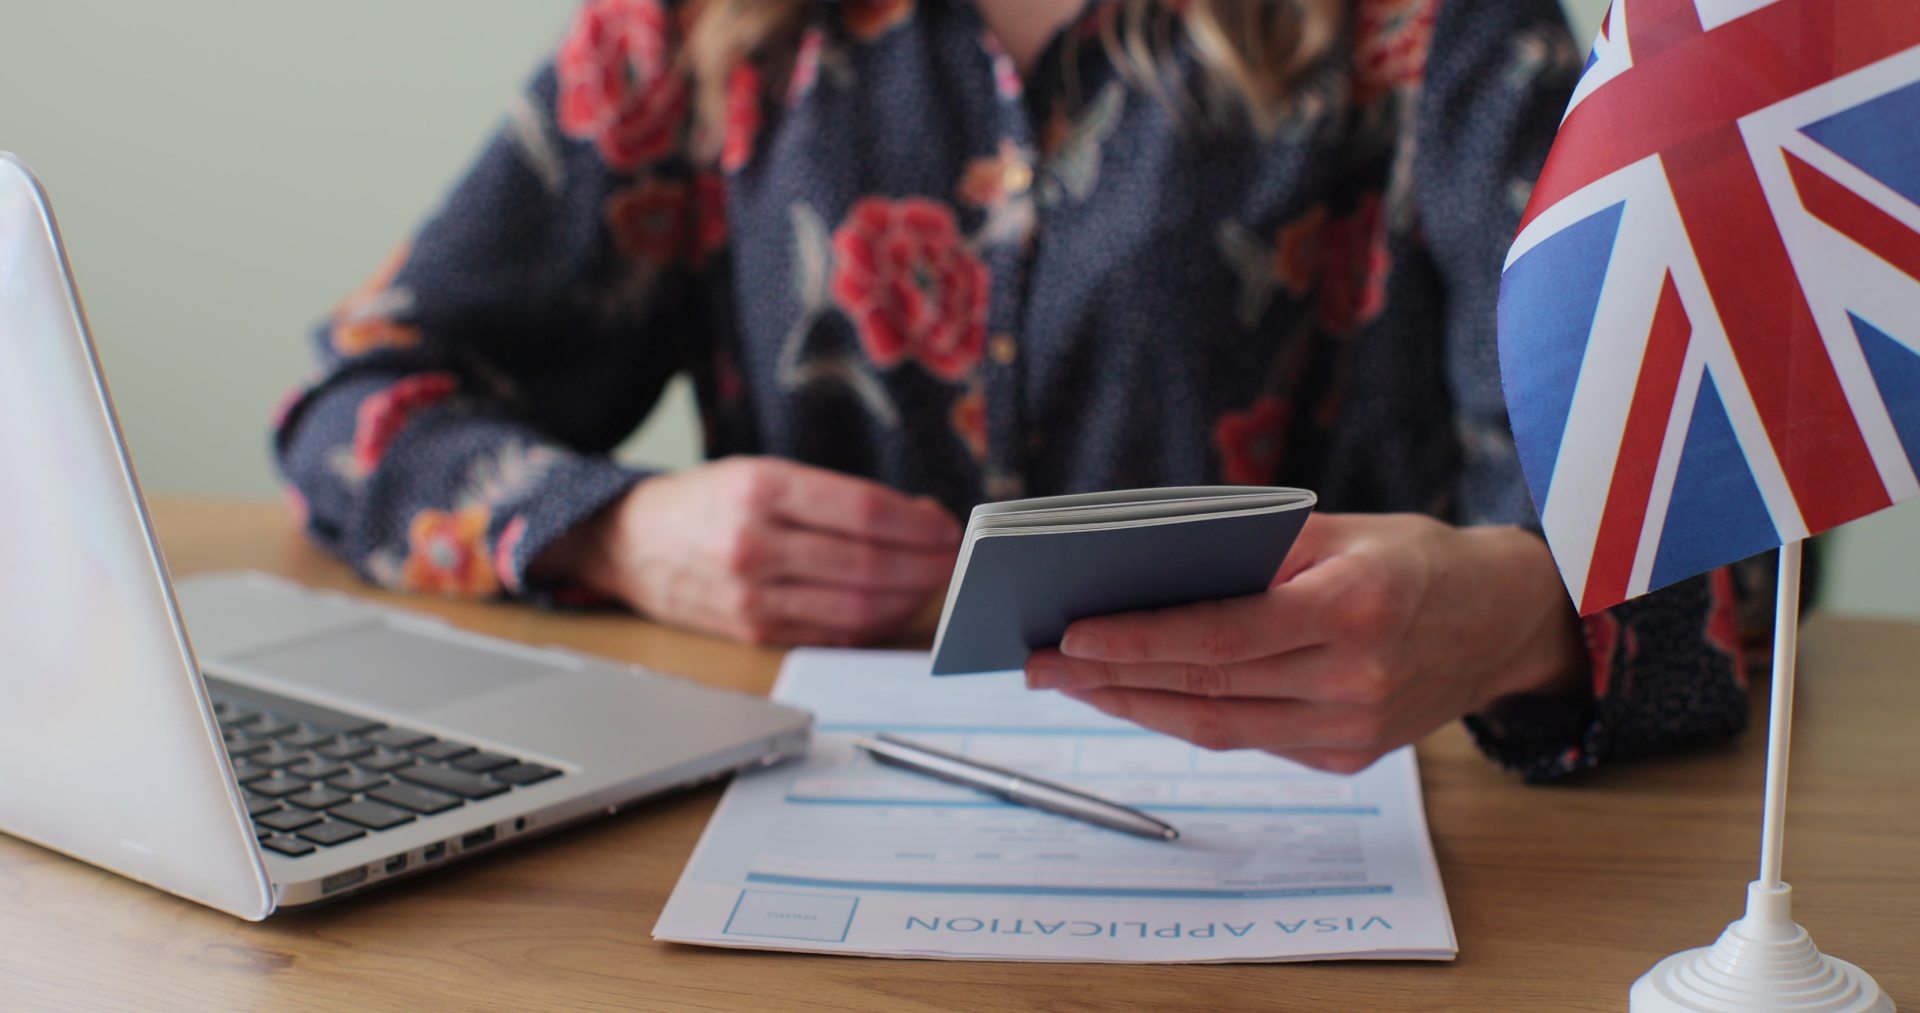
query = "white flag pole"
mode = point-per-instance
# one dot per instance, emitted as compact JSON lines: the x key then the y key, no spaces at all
{"x":1765,"y":960}
{"x":1786,"y":647}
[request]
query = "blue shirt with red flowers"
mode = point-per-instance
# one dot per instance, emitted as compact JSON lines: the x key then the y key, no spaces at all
{"x":910,"y":262}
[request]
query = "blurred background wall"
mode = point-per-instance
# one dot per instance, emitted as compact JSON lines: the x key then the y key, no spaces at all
{"x":224,"y":171}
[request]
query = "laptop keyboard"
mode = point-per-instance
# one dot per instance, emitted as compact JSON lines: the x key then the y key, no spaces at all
{"x":314,"y":777}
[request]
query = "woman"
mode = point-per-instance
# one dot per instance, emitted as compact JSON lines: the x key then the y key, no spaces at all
{"x":916,"y":255}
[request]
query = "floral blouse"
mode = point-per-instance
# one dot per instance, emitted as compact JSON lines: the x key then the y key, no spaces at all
{"x":909,"y":262}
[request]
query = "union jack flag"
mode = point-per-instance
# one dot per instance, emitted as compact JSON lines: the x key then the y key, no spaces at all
{"x":1710,"y":318}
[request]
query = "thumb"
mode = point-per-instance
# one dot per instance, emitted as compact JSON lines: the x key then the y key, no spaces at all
{"x":1319,"y":539}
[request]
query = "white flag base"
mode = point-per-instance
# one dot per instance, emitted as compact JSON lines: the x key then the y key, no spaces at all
{"x":1764,"y":961}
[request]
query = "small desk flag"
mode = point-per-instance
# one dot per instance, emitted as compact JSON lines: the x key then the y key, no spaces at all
{"x":1710,"y":317}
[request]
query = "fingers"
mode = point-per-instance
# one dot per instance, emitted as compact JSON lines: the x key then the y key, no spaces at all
{"x":1321,"y":674}
{"x":829,"y":501}
{"x":1342,"y":597}
{"x":1342,"y":739}
{"x":799,"y":554}
{"x":865,"y":614}
{"x":1283,"y":618}
{"x":837,"y":617}
{"x":1357,"y":648}
{"x":768,"y":551}
{"x":1317,"y":540}
{"x":1333,"y":761}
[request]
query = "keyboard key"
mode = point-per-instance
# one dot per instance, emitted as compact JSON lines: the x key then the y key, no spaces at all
{"x":418,"y":799}
{"x":268,"y":727}
{"x":458,"y":782}
{"x":346,"y":748}
{"x":318,"y":797}
{"x":292,"y":846}
{"x":332,"y":832}
{"x":442,"y":750}
{"x":397,"y":738}
{"x":277,"y":785}
{"x":374,"y":815}
{"x":288,"y":819}
{"x":316,"y":769}
{"x":358,"y":780}
{"x":384,"y":761}
{"x":247,"y":698}
{"x":480,"y":763}
{"x":247,"y":747}
{"x":277,"y":755}
{"x":307,"y":738}
{"x":246,"y":770}
{"x":260,"y":806}
{"x":235,"y":716}
{"x":524,"y":773}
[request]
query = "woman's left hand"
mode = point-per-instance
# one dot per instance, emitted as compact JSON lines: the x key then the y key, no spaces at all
{"x":1377,"y":630}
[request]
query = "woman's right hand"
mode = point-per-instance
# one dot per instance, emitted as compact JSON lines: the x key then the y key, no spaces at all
{"x":764,"y":550}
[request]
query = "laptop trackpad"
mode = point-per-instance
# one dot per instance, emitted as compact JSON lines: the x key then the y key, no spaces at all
{"x":393,"y":668}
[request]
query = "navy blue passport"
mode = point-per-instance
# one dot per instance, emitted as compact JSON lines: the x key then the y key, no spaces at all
{"x":1028,"y":568}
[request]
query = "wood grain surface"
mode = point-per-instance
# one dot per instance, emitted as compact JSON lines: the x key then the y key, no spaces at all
{"x":1561,"y":896}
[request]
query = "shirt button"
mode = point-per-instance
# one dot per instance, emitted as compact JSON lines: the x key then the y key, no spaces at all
{"x":1016,"y":177}
{"x":1003,"y":349}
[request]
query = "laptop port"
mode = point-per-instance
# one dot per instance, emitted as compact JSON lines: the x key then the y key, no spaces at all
{"x":477,"y":838}
{"x":342,"y":880}
{"x":397,"y":863}
{"x":434,"y":852}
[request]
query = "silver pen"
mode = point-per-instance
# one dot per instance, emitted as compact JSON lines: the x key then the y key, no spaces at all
{"x":1015,"y":787}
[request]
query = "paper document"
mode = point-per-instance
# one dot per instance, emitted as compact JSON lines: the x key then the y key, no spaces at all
{"x":840,"y":854}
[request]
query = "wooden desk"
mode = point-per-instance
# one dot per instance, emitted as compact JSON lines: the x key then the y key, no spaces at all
{"x":1561,"y":896}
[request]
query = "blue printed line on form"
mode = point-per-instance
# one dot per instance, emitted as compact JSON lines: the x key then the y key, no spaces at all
{"x":1303,"y":810}
{"x":1072,"y":891}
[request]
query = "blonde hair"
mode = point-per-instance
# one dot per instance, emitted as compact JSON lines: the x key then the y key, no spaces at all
{"x":1252,"y":53}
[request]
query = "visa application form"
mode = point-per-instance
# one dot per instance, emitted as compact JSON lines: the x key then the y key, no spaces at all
{"x":840,"y":854}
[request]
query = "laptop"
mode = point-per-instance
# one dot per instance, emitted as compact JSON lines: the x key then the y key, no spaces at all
{"x":250,"y":744}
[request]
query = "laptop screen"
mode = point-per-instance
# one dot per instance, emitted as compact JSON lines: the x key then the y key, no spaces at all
{"x":108,"y":748}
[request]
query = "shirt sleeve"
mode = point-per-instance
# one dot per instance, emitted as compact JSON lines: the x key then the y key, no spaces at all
{"x":1665,"y":668}
{"x":468,"y":396}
